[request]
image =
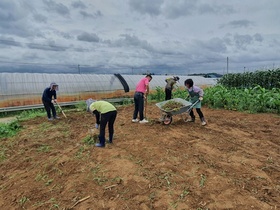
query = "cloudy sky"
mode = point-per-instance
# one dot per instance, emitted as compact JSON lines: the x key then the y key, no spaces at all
{"x":135,"y":36}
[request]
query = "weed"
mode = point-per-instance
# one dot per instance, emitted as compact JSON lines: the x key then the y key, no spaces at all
{"x":202,"y":180}
{"x":117,"y":180}
{"x":23,"y":200}
{"x":79,"y":154}
{"x":224,"y":173}
{"x":173,"y":205}
{"x":98,"y":175}
{"x":152,"y":196}
{"x":3,"y":153}
{"x":184,"y":193}
{"x":81,"y":106}
{"x":29,"y":114}
{"x":100,"y":180}
{"x":139,"y":162}
{"x":90,"y":140}
{"x":9,"y":129}
{"x":44,"y":148}
{"x":44,"y":178}
{"x":166,"y":176}
{"x":270,"y":160}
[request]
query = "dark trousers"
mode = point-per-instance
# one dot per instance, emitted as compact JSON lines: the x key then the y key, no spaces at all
{"x":199,"y":112}
{"x":168,"y":94}
{"x":138,"y":105}
{"x":109,"y":118}
{"x":48,"y":107}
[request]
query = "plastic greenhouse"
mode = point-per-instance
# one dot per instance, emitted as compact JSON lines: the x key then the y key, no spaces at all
{"x":25,"y":89}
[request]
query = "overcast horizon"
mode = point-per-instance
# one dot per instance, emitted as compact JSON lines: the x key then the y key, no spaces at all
{"x":137,"y":36}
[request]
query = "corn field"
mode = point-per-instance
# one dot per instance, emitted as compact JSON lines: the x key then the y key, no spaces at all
{"x":253,"y":99}
{"x":266,"y":79}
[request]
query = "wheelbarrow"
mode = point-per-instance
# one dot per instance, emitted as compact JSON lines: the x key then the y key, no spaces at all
{"x":166,"y":117}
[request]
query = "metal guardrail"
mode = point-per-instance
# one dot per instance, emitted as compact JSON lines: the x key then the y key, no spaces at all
{"x":72,"y":103}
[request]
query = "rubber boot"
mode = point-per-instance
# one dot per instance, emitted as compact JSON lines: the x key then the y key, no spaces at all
{"x":101,"y":142}
{"x":203,"y":122}
{"x":110,"y":140}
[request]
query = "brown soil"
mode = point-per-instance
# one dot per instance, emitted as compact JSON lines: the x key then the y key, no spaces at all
{"x":232,"y":163}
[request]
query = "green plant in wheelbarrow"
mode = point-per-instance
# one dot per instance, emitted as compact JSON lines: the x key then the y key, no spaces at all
{"x":172,"y":106}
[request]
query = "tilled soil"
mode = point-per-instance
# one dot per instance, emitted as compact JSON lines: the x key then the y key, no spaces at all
{"x":231,"y":163}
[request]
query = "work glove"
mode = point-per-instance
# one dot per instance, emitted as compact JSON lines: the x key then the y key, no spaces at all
{"x":200,"y":98}
{"x":52,"y":101}
{"x":96,"y":126}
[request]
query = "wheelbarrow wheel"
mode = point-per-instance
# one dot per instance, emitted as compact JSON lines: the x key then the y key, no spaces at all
{"x":167,"y":120}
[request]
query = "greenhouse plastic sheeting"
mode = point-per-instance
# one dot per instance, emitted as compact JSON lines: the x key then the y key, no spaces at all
{"x":159,"y":80}
{"x":21,"y":89}
{"x":35,"y":83}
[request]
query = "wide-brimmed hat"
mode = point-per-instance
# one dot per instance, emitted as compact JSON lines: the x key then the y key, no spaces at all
{"x":53,"y":84}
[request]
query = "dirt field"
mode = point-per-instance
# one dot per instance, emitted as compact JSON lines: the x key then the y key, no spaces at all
{"x":232,"y":163}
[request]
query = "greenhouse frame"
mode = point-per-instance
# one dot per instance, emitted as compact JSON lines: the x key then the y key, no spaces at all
{"x":25,"y":89}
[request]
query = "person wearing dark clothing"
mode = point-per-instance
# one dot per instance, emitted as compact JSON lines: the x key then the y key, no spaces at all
{"x":48,"y":99}
{"x":196,"y":94}
{"x":170,"y":82}
{"x":105,"y":113}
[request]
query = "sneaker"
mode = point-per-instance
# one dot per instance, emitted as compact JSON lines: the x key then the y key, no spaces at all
{"x":50,"y":119}
{"x":203,"y":123}
{"x":56,"y":117}
{"x":135,"y":120}
{"x":190,"y":120}
{"x":99,"y":145}
{"x":144,"y":121}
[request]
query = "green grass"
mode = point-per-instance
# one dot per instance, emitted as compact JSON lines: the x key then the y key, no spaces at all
{"x":9,"y":129}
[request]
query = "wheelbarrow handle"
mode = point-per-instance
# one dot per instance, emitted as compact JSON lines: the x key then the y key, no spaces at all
{"x":194,"y":104}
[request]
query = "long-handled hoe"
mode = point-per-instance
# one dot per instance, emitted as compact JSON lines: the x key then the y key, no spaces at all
{"x":61,"y":110}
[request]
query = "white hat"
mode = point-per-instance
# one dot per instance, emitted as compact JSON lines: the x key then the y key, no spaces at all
{"x":89,"y":102}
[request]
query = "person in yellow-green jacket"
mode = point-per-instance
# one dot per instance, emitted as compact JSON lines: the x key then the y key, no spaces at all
{"x":105,"y":113}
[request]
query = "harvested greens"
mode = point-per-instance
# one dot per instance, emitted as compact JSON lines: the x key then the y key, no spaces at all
{"x":172,"y":106}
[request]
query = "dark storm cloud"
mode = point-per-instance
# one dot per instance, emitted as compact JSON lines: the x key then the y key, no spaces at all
{"x":9,"y":42}
{"x":182,"y":8}
{"x":12,"y":19}
{"x":213,"y":45}
{"x":58,"y":8}
{"x":258,"y":37}
{"x":215,"y":9}
{"x":173,"y":10}
{"x":242,"y":41}
{"x":88,"y":15}
{"x":40,"y":18}
{"x":132,"y":41}
{"x":8,"y":11}
{"x":49,"y":47}
{"x":186,"y":8}
{"x":78,"y":5}
{"x":240,"y":23}
{"x":146,"y":6}
{"x":87,"y":37}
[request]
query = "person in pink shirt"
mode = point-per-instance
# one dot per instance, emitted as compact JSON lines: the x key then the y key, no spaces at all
{"x":141,"y":92}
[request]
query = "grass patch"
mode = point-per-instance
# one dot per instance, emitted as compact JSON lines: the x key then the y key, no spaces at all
{"x":10,"y":129}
